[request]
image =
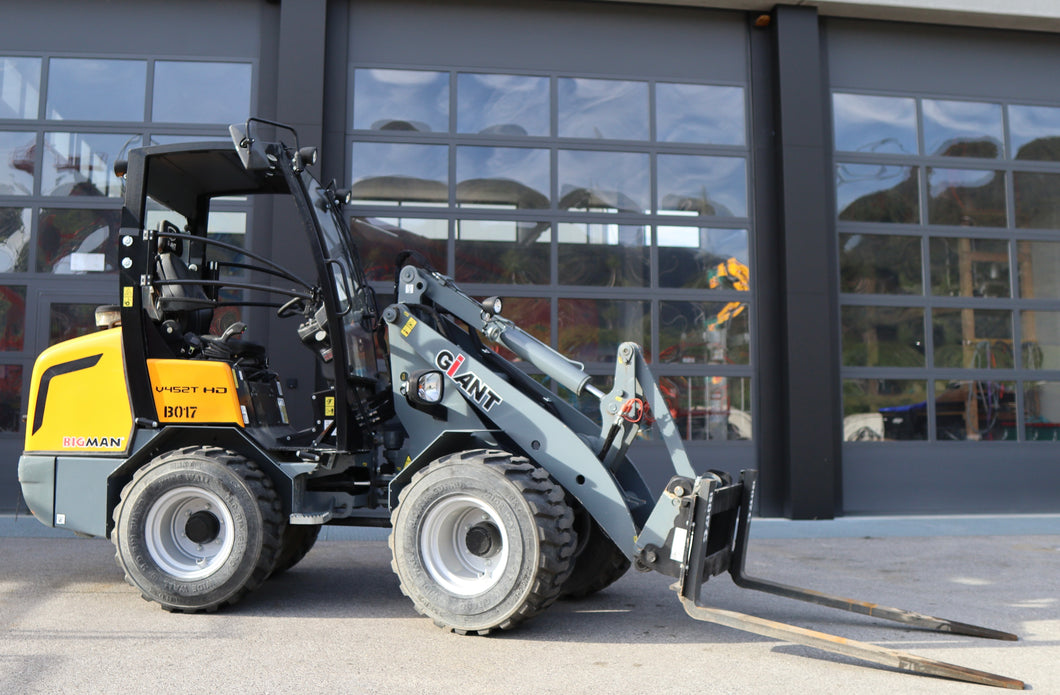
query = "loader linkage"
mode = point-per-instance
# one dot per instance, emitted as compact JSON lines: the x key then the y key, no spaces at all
{"x":714,"y":519}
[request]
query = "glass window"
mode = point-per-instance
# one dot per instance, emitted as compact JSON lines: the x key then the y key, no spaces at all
{"x":701,"y":257}
{"x":609,"y":255}
{"x":884,"y":410}
{"x":880,"y":125}
{"x":879,"y":264}
{"x":698,"y":113}
{"x":709,"y":407}
{"x":966,"y":197}
{"x":1040,"y":345}
{"x":1034,"y":132}
{"x":602,"y":109}
{"x":975,"y":410}
{"x":409,"y":100}
{"x":704,"y":332}
{"x":69,"y":320}
{"x":1039,"y":269}
{"x":77,"y":240}
{"x":19,"y":87}
{"x":91,"y":89}
{"x":18,"y":154}
{"x":882,"y":336}
{"x":200,"y":92}
{"x":973,"y":338}
{"x":380,"y":240}
{"x":877,"y":193}
{"x":590,"y":330}
{"x":962,"y":129}
{"x":82,"y":164}
{"x":1041,"y":410}
{"x":10,"y":397}
{"x":514,"y":253}
{"x":514,"y":178}
{"x":969,"y":267}
{"x":504,"y":105}
{"x":14,"y":239}
{"x":714,"y":186}
{"x":1037,"y":200}
{"x":388,"y":173}
{"x":12,"y":317}
{"x":603,"y":181}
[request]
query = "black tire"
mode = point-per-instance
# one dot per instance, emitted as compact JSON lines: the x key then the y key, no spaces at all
{"x":296,"y":542}
{"x":197,"y":528}
{"x":482,"y":540}
{"x":598,"y":562}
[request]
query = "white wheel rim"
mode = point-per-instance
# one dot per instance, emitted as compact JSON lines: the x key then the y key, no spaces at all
{"x":167,"y":538}
{"x":443,"y":541}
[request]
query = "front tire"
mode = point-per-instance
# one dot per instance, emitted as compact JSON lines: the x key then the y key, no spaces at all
{"x":197,"y":528}
{"x":482,"y":540}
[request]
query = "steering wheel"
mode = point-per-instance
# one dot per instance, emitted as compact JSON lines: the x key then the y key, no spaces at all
{"x":292,"y":307}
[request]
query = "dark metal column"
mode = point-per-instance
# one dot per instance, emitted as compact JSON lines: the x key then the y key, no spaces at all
{"x":807,"y":230}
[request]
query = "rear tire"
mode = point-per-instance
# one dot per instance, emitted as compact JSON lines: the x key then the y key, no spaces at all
{"x":482,"y":540}
{"x":197,"y":528}
{"x":296,"y":542}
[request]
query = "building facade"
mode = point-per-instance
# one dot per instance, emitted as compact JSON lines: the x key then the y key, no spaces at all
{"x":835,"y":228}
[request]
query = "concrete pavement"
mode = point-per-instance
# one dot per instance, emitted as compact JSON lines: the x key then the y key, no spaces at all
{"x":337,"y":623}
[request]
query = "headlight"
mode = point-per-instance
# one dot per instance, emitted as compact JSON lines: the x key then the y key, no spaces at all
{"x":429,"y":388}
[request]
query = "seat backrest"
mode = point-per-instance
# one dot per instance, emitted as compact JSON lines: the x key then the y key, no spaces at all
{"x":189,"y":302}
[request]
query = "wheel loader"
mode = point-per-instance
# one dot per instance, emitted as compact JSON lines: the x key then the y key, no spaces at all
{"x":168,"y":432}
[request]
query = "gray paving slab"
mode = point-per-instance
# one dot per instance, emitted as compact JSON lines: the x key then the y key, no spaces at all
{"x":337,"y":623}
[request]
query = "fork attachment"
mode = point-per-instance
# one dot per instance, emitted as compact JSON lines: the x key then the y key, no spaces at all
{"x":714,"y":521}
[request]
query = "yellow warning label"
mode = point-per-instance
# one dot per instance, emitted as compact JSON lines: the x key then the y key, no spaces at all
{"x":126,"y":296}
{"x":329,"y":406}
{"x":409,"y":325}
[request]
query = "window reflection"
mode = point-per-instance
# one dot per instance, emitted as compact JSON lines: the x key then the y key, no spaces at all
{"x":602,"y":109}
{"x":12,"y":317}
{"x":715,"y":408}
{"x":884,"y":410}
{"x":590,"y":330}
{"x":1034,"y":132}
{"x":609,"y":255}
{"x":1039,"y":269}
{"x":973,"y":338}
{"x":10,"y":397}
{"x":877,"y":193}
{"x":505,"y":177}
{"x":879,"y":264}
{"x":14,"y":239}
{"x":1037,"y":200}
{"x":505,"y":105}
{"x":1041,"y":410}
{"x":90,"y":89}
{"x":704,"y":332}
{"x":77,"y":240}
{"x":970,"y":267}
{"x":702,"y":114}
{"x":975,"y":410}
{"x":603,"y":181}
{"x":962,"y":129}
{"x":19,"y":87}
{"x":876,"y":124}
{"x":966,"y":197}
{"x":18,"y":154}
{"x":503,"y":252}
{"x":1040,"y":344}
{"x":380,"y":240}
{"x":715,"y":186}
{"x":82,"y":164}
{"x":68,"y":320}
{"x":409,"y":100}
{"x":388,"y":174}
{"x":701,"y":257}
{"x":882,"y":336}
{"x":201,"y":92}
